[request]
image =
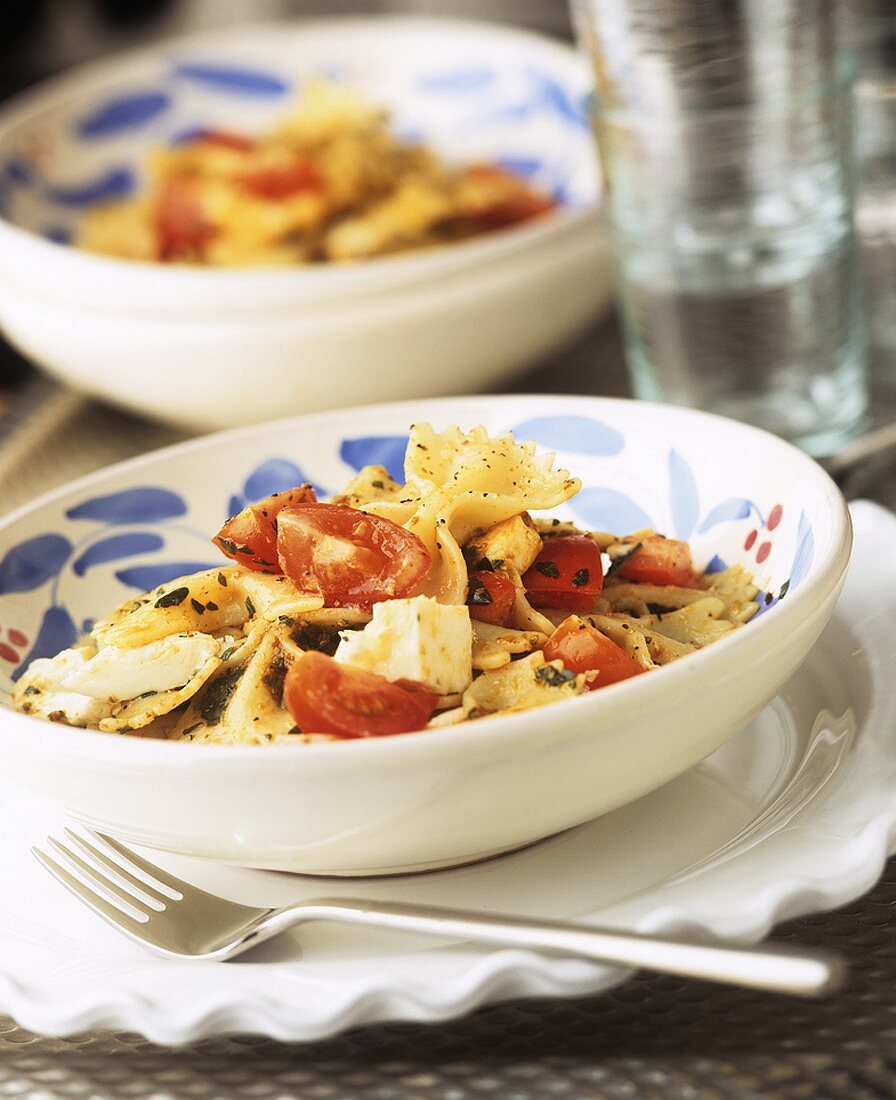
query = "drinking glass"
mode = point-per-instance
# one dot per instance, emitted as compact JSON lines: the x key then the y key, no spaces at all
{"x":724,"y":131}
{"x":868,"y":30}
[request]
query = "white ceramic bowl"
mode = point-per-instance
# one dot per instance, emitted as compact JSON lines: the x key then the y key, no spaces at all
{"x":439,"y":796}
{"x":215,"y":348}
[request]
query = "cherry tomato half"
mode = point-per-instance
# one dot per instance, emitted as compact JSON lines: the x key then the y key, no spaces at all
{"x":583,"y":648}
{"x":567,"y":573}
{"x":350,"y":558}
{"x":490,"y":597}
{"x":324,"y":696}
{"x":282,"y":181}
{"x":660,"y":561}
{"x":181,"y":228}
{"x":250,"y":537}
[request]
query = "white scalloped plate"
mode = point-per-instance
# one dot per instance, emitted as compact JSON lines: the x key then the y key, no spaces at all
{"x":797,"y":813}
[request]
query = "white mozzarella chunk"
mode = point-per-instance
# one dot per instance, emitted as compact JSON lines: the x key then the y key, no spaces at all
{"x":415,"y":639}
{"x":117,"y":674}
{"x":40,"y":691}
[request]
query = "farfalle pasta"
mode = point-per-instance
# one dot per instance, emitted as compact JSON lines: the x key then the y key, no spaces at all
{"x":393,"y":608}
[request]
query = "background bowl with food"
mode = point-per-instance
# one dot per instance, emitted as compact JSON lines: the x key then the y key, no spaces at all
{"x":368,"y":313}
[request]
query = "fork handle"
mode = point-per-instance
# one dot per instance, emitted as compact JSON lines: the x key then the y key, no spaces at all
{"x":799,"y":973}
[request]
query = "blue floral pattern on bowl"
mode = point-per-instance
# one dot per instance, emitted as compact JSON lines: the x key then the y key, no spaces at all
{"x":147,"y":531}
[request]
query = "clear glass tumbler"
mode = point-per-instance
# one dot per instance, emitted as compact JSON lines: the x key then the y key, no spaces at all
{"x":868,"y":32}
{"x":727,"y":157}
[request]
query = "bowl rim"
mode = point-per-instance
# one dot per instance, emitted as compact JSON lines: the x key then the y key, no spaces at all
{"x":616,"y":701}
{"x":335,"y":279}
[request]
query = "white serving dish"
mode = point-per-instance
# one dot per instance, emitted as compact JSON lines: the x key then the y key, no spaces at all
{"x":214,"y":348}
{"x":440,"y":796}
{"x":795,"y":814}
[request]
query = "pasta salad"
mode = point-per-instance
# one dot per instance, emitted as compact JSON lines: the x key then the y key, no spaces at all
{"x":393,"y":608}
{"x":330,"y":182}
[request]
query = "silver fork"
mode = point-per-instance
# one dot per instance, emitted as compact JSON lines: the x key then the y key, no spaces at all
{"x":173,"y":918}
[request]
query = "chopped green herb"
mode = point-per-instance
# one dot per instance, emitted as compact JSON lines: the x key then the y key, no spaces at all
{"x":378,"y":484}
{"x":222,"y":580}
{"x":191,"y":729}
{"x":274,"y":677}
{"x":554,"y":677}
{"x":479,"y":595}
{"x":228,"y":653}
{"x":617,"y":563}
{"x":488,"y":565}
{"x":659,"y":609}
{"x":580,"y":577}
{"x":217,"y":695}
{"x":172,"y":599}
{"x":228,"y":546}
{"x":250,"y":606}
{"x":312,"y":636}
{"x":148,"y":694}
{"x":211,"y":606}
{"x":198,"y":607}
{"x":288,"y":619}
{"x":784,"y":589}
{"x":32,"y":690}
{"x":547,"y":569}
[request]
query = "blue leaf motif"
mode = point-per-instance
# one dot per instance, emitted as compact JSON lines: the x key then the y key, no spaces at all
{"x":116,"y":547}
{"x":60,"y":234}
{"x":274,"y":476}
{"x":116,"y":183}
{"x":609,"y":510}
{"x":57,"y":632}
{"x":232,"y":79}
{"x":683,"y":498}
{"x":141,"y":504}
{"x":123,"y":112}
{"x":526,"y":167}
{"x":19,"y":171}
{"x":145,"y":577}
{"x":716,"y":565}
{"x":805,"y":551}
{"x":376,"y":450}
{"x":554,"y":96}
{"x":579,"y":434}
{"x":732,"y":508}
{"x":464,"y":80}
{"x":33,"y":562}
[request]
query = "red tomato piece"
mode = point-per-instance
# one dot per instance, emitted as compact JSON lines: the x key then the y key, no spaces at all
{"x":520,"y":204}
{"x":567,"y":573}
{"x":181,"y":228}
{"x":324,"y":696}
{"x":250,"y":537}
{"x":583,"y":648}
{"x":282,"y":181}
{"x":660,"y":561}
{"x":520,"y":208}
{"x":350,"y":558}
{"x":490,"y":597}
{"x":225,"y":138}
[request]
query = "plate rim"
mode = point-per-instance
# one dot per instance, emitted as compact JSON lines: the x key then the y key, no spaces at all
{"x":496,"y":976}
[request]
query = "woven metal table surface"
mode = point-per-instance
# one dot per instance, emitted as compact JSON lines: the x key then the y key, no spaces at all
{"x":654,"y":1037}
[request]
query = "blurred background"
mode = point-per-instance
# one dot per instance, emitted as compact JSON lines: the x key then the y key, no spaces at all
{"x":47,"y":36}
